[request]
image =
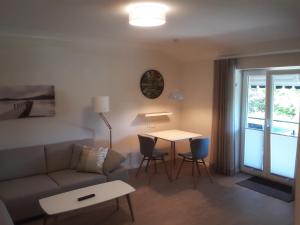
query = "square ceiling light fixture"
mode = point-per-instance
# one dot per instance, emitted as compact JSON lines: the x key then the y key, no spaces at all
{"x":147,"y":14}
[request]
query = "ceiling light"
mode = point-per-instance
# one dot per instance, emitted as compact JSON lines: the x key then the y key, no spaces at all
{"x":147,"y":14}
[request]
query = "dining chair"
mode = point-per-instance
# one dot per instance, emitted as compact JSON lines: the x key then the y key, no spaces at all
{"x":199,"y":151}
{"x":150,"y":154}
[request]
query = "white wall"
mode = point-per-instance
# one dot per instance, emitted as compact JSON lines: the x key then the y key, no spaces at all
{"x":197,"y":86}
{"x":291,"y":59}
{"x":79,"y":72}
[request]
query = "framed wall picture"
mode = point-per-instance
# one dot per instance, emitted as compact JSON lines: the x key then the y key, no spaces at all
{"x":152,"y":84}
{"x":26,"y":101}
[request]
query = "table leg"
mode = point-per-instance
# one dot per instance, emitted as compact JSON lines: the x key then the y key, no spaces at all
{"x":130,"y":207}
{"x":50,"y":220}
{"x":172,"y":155}
{"x":118,"y":204}
{"x":56,"y":220}
{"x":45,"y":220}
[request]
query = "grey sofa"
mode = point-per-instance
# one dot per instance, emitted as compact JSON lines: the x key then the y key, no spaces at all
{"x":28,"y":174}
{"x":5,"y":218}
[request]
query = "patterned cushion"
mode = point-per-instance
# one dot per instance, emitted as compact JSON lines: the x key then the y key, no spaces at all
{"x":92,"y":159}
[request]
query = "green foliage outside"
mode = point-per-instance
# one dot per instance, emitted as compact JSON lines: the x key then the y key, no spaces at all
{"x":285,"y":111}
{"x":286,"y":102}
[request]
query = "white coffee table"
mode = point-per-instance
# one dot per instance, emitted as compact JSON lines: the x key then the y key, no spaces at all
{"x":68,"y":201}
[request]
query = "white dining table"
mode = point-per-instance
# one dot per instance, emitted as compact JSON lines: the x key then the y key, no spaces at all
{"x":173,"y":136}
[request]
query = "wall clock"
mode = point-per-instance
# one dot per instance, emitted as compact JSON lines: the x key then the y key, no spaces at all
{"x":152,"y":84}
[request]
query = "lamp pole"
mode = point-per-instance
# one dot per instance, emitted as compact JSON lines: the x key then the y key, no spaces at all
{"x":109,"y":127}
{"x":101,"y":105}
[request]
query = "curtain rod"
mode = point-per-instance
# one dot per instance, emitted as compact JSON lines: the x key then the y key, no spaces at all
{"x":258,"y":54}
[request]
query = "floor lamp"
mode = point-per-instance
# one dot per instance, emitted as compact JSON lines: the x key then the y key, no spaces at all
{"x":101,"y":106}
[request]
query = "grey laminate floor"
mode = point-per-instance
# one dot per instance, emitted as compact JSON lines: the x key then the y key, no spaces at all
{"x":177,"y":203}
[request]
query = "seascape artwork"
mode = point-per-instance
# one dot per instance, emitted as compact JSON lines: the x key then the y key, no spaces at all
{"x":26,"y":101}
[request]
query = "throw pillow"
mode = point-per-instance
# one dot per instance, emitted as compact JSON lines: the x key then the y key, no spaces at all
{"x":92,"y":159}
{"x":112,"y":161}
{"x":77,"y":149}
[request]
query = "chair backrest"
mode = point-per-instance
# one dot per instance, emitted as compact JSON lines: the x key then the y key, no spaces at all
{"x":146,"y":145}
{"x":199,"y":148}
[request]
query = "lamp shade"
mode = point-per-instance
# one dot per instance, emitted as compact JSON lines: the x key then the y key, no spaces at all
{"x":101,"y":104}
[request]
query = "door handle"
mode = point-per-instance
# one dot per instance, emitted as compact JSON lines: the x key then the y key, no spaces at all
{"x":267,"y":123}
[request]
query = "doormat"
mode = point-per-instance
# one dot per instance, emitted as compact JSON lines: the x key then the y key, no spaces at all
{"x":276,"y":190}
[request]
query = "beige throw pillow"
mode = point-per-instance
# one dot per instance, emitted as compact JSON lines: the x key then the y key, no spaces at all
{"x":92,"y":159}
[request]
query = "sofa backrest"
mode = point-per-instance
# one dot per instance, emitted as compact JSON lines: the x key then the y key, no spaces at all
{"x":59,"y":155}
{"x":22,"y":162}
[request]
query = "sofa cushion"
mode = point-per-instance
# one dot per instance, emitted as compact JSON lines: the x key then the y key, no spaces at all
{"x":71,"y":179}
{"x":113,"y":161}
{"x":5,"y":218}
{"x":21,"y":195}
{"x":76,"y":153}
{"x":59,"y":155}
{"x":22,"y":162}
{"x":118,"y":174}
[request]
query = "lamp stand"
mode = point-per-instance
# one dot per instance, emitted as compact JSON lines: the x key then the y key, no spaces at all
{"x":109,"y":127}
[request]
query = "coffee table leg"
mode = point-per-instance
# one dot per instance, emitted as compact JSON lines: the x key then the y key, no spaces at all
{"x":130,"y":207}
{"x":56,"y":220}
{"x":118,"y":205}
{"x":45,"y":220}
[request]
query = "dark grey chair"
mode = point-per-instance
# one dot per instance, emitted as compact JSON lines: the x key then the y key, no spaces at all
{"x":199,"y":151}
{"x":150,"y":154}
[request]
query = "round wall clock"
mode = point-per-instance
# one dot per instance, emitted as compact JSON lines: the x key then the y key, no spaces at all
{"x":152,"y":84}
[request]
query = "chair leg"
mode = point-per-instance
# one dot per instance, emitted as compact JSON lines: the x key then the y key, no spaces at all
{"x":207,"y":170}
{"x":193,"y":168}
{"x":155,"y":166}
{"x":139,"y":169}
{"x":166,"y":168}
{"x":195,"y":178}
{"x":180,"y":167}
{"x":149,"y":174}
{"x":198,"y":168}
{"x":147,"y":165}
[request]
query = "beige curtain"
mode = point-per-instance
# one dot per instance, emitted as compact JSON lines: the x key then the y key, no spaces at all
{"x":224,"y":154}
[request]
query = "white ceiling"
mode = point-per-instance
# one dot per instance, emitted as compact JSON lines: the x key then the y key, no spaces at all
{"x":193,"y":27}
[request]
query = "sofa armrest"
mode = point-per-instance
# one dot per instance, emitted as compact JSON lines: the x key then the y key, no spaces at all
{"x":5,"y":218}
{"x":118,"y":174}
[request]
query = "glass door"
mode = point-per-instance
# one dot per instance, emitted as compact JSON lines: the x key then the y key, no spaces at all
{"x":284,"y":122}
{"x":254,"y":120}
{"x":270,"y":123}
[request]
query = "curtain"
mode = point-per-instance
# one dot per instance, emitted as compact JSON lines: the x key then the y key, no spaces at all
{"x":224,"y":152}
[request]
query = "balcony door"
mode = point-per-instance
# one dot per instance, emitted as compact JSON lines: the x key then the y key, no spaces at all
{"x":270,"y":123}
